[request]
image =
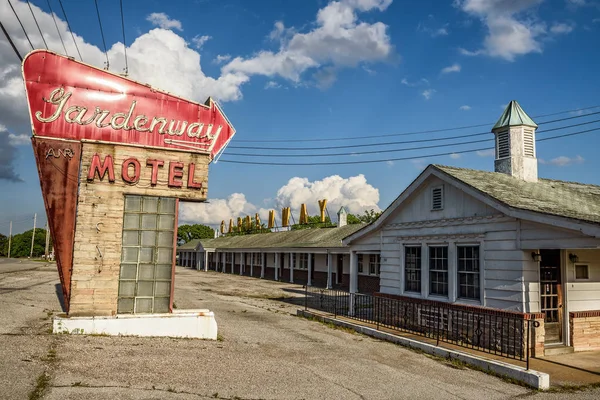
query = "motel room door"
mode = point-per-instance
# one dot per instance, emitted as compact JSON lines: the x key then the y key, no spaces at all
{"x":551,"y":297}
{"x":339,"y":276}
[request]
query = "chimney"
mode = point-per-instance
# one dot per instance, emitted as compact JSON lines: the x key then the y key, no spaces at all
{"x":515,"y":144}
{"x":342,"y":217}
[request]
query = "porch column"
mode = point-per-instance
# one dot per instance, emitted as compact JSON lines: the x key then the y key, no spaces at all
{"x":329,"y":269}
{"x":353,"y":280}
{"x":243,"y":263}
{"x":263,"y":261}
{"x":276,"y":266}
{"x":232,"y":262}
{"x":252,"y":263}
{"x":216,"y":259}
{"x":224,"y":261}
{"x":206,"y":261}
{"x":198,"y":260}
{"x":309,"y":281}
{"x":291,"y":267}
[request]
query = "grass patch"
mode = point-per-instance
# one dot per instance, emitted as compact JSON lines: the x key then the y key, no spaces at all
{"x":219,"y":337}
{"x":41,"y":385}
{"x":50,"y":356}
{"x":568,"y":388}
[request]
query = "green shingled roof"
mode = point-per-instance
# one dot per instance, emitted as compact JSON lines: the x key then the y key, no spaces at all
{"x":312,"y":238}
{"x":514,"y":115}
{"x":573,"y":200}
{"x":191,"y":245}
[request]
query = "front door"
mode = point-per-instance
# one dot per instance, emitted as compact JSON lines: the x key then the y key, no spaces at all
{"x":551,"y":295}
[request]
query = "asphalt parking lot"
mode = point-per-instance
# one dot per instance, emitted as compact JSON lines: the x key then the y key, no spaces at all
{"x":264,"y":351}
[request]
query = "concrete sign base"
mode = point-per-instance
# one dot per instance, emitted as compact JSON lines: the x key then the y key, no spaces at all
{"x":199,"y":324}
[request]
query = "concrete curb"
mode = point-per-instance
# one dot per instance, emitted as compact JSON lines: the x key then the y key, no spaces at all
{"x":535,"y":379}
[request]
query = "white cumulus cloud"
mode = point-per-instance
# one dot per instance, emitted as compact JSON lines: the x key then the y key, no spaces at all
{"x":464,"y":108}
{"x":512,"y":29}
{"x":339,"y":40}
{"x":428,"y":93}
{"x":563,"y":161}
{"x":354,"y":193}
{"x":451,"y":68}
{"x":163,"y":21}
{"x":200,"y":40}
{"x":486,"y":153}
{"x":561,"y":28}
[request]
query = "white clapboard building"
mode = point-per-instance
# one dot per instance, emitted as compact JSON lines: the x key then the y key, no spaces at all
{"x":504,"y":240}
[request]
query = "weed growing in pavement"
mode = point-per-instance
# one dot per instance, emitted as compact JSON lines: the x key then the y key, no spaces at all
{"x":41,"y":385}
{"x":219,"y":337}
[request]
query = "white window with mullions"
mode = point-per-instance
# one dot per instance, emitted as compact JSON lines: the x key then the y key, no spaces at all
{"x":360,"y":262}
{"x":374,"y":264}
{"x":302,"y":261}
{"x":147,"y":255}
{"x":468,"y":272}
{"x":438,"y":270}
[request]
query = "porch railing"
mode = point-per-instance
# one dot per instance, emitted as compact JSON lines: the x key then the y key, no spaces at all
{"x":499,"y":333}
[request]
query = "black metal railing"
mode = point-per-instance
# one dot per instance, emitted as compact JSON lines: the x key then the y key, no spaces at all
{"x":501,"y":333}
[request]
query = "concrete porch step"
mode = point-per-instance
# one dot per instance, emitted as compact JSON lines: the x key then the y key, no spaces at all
{"x":556,"y":349}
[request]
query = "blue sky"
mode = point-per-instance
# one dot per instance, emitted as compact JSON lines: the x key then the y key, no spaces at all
{"x":310,"y":69}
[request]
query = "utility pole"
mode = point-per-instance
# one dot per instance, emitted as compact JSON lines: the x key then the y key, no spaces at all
{"x":33,"y":235}
{"x":47,"y":243}
{"x":9,"y":238}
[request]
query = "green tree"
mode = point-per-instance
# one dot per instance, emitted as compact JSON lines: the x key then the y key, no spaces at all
{"x":21,"y":243}
{"x":367,"y":217}
{"x":186,"y":232}
{"x":313,"y":222}
{"x":3,"y":245}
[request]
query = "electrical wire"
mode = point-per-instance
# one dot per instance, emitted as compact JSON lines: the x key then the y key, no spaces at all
{"x":349,"y":146}
{"x":20,"y":23}
{"x":38,"y":25}
{"x":393,"y":159}
{"x":124,"y":40}
{"x":12,"y":44}
{"x":102,"y":33}
{"x":403,"y":133}
{"x":69,"y":27}
{"x":56,"y":25}
{"x":312,"y":154}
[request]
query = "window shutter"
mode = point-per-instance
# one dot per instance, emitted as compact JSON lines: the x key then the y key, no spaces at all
{"x":528,"y":143}
{"x":503,"y":145}
{"x":437,"y":198}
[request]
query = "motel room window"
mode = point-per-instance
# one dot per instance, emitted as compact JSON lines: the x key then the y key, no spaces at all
{"x":147,"y":256}
{"x":374,"y":264}
{"x":467,"y":266}
{"x":360,"y":263}
{"x":438,"y":270}
{"x":302,"y":261}
{"x":582,"y":272}
{"x":228,"y":257}
{"x":412,"y":269}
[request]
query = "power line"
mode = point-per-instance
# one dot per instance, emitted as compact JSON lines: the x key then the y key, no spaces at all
{"x":124,"y":40}
{"x":102,"y":33}
{"x":12,"y":44}
{"x":56,"y":25}
{"x":20,"y":23}
{"x":349,"y":146}
{"x":393,"y":159}
{"x":69,"y":27}
{"x":403,"y":133}
{"x":38,"y":25}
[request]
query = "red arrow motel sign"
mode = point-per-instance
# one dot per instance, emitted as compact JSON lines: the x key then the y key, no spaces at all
{"x":72,"y":100}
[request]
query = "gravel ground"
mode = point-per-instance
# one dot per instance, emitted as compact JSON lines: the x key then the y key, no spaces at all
{"x":264,"y":351}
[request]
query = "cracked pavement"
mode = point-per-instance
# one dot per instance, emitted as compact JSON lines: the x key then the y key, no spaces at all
{"x":266,"y":352}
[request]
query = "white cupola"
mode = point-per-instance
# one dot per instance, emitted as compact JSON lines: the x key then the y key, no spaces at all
{"x":515,"y":144}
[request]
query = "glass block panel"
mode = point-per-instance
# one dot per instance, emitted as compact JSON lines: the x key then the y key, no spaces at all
{"x":165,"y":255}
{"x":146,"y":272}
{"x":130,"y":254}
{"x":144,"y":288}
{"x":161,"y":305}
{"x":150,"y":204}
{"x":162,"y":289}
{"x":149,"y":221}
{"x":125,"y":306}
{"x":167,"y":206}
{"x":166,"y":222}
{"x":131,"y":221}
{"x":133,"y":204}
{"x":128,"y":271}
{"x":146,"y":254}
{"x":131,"y":238}
{"x":126,"y":289}
{"x":163,"y":272}
{"x":165,"y":239}
{"x":149,"y":238}
{"x":143,"y":305}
